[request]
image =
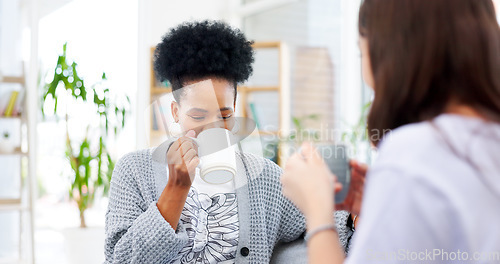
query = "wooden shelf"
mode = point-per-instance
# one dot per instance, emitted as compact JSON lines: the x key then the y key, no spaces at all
{"x":12,"y":261}
{"x":24,"y":175}
{"x":259,"y":88}
{"x":16,"y":152}
{"x":282,"y":88}
{"x":11,"y":117}
{"x":270,"y":133}
{"x":156,"y":133}
{"x":160,"y":90}
{"x":11,"y":79}
{"x":266,"y":45}
{"x":12,"y":205}
{"x":9,"y":201}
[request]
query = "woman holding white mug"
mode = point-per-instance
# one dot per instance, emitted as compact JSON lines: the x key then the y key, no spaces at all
{"x":433,"y":194}
{"x":167,"y":214}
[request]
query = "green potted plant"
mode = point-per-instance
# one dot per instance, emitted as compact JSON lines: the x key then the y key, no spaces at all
{"x":87,"y":153}
{"x":89,"y":157}
{"x":301,"y":134}
{"x":290,"y":143}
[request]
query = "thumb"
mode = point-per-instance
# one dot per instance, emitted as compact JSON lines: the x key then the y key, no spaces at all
{"x":337,"y":187}
{"x":191,"y":133}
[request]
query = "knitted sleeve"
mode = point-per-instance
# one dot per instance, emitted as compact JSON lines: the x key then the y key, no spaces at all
{"x":136,"y":232}
{"x":292,"y":222}
{"x":345,"y":232}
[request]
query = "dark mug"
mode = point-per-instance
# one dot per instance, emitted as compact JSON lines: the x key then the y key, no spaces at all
{"x":336,"y":157}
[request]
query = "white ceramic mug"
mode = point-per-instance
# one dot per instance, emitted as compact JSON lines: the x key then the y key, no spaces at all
{"x":217,"y":155}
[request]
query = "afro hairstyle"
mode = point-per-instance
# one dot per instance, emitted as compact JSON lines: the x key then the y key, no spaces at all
{"x":195,"y":50}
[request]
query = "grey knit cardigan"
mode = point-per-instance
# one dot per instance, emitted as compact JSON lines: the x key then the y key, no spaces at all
{"x":136,"y":232}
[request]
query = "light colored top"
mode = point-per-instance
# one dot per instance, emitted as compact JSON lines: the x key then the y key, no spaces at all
{"x":433,"y":195}
{"x":210,"y":217}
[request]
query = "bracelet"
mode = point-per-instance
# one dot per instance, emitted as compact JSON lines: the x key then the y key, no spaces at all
{"x":319,"y":229}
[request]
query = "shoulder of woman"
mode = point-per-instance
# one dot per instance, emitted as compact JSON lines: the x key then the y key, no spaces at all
{"x":260,"y":167}
{"x":132,"y":163}
{"x":408,"y":141}
{"x":135,"y":158}
{"x":411,"y":134}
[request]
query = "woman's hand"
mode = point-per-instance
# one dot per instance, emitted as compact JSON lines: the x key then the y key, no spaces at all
{"x":182,"y":158}
{"x":309,"y":184}
{"x":352,"y":202}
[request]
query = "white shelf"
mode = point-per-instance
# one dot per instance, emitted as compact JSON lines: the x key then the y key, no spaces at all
{"x":24,"y":204}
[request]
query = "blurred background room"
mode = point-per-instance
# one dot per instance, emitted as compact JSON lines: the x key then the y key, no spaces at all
{"x":76,"y":89}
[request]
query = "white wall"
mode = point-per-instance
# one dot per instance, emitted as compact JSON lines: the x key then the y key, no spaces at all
{"x":351,"y":80}
{"x":286,"y":23}
{"x":156,"y":17}
{"x":163,"y":15}
{"x":99,"y":40}
{"x":102,"y":37}
{"x":330,"y":25}
{"x":10,"y":37}
{"x":10,"y":64}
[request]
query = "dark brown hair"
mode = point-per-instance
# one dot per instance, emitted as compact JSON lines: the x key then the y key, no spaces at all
{"x":425,"y":54}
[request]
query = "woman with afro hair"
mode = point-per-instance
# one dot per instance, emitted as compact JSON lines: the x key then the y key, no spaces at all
{"x":161,"y":213}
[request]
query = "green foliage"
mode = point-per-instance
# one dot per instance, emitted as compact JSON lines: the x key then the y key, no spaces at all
{"x":300,"y":133}
{"x":89,"y":158}
{"x":358,"y":132}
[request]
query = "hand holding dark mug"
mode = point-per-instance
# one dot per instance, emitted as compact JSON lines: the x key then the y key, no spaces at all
{"x":337,"y":160}
{"x":308,"y":182}
{"x":353,"y":200}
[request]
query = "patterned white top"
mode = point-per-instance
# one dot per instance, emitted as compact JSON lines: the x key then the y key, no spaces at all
{"x":210,"y":217}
